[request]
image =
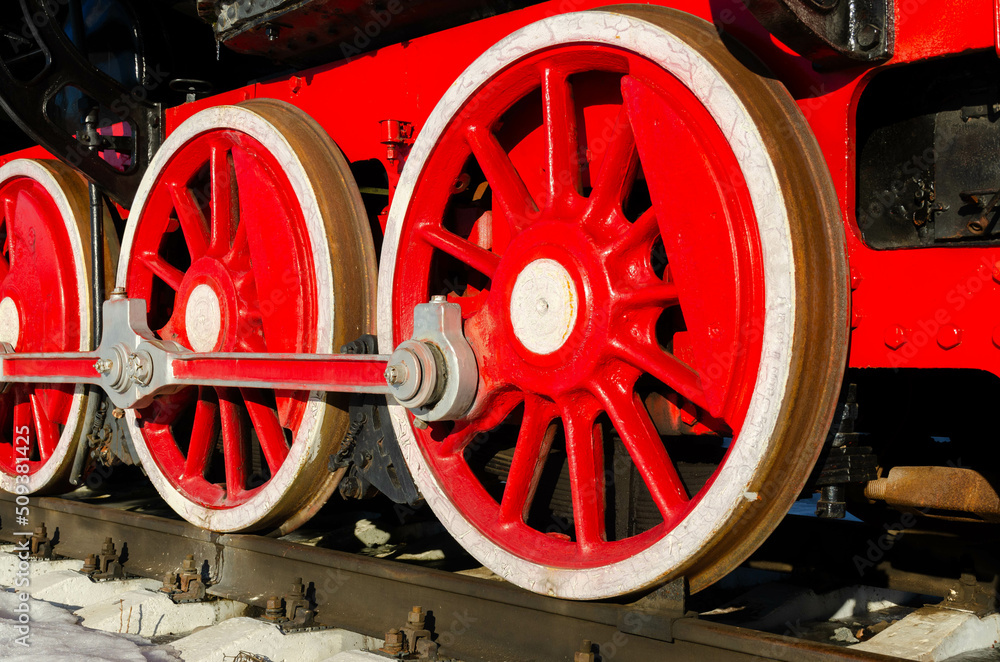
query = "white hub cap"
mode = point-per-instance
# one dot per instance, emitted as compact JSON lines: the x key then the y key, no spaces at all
{"x":10,"y":322}
{"x":203,"y":318}
{"x":543,"y":306}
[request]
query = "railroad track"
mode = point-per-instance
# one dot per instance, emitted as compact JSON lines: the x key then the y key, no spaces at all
{"x":478,"y":619}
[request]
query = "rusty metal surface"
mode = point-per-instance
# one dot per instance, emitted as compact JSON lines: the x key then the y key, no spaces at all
{"x":938,"y":488}
{"x":474,"y":619}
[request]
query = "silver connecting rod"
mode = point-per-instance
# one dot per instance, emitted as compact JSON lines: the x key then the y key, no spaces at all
{"x":434,"y":374}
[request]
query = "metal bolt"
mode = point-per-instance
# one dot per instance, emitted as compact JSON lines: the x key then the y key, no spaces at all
{"x":189,"y":564}
{"x":396,"y":374}
{"x":949,"y":337}
{"x":118,"y":293}
{"x":118,"y":412}
{"x":439,"y":298}
{"x":109,"y":547}
{"x":169,"y":582}
{"x":272,"y":32}
{"x":416,"y":617}
{"x":868,"y":36}
{"x":275,"y":609}
{"x":90,"y":563}
{"x":41,"y":532}
{"x":895,"y":337}
{"x":297,"y":587}
{"x":420,"y":423}
{"x":104,"y":366}
{"x":585,"y":654}
{"x":393,"y":642}
{"x":876,"y":489}
{"x":140,"y":368}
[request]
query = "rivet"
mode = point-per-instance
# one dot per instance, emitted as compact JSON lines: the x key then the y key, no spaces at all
{"x":996,"y":271}
{"x":996,"y":336}
{"x":895,"y":337}
{"x":949,"y":336}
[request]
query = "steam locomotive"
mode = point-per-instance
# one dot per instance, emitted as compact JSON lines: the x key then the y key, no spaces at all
{"x":608,"y":287}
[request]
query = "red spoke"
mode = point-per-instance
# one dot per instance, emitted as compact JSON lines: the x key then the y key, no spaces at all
{"x":642,"y":353}
{"x":193,"y":224}
{"x":48,"y":433}
{"x":9,"y":209}
{"x":234,"y":441}
{"x":509,"y":190}
{"x":223,"y":200}
{"x":658,"y":295}
{"x":561,"y":138}
{"x":618,"y":168}
{"x":480,"y":259}
{"x":644,"y":446}
{"x":268,"y":427}
{"x":642,"y":232}
{"x":204,"y":432}
{"x":276,"y":272}
{"x":497,"y":409}
{"x":585,"y":453}
{"x":23,"y":421}
{"x":4,"y":265}
{"x":533,"y":443}
{"x":168,"y":273}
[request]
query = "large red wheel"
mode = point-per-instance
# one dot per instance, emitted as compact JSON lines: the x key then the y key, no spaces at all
{"x":248,"y":235}
{"x":639,"y":230}
{"x":45,"y":306}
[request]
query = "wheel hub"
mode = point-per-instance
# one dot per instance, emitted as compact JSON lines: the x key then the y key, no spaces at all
{"x":543,"y":306}
{"x":215,"y":301}
{"x":552,"y":300}
{"x":202,"y":318}
{"x":10,"y":322}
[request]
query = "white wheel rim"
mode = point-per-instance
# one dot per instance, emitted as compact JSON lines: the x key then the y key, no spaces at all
{"x":305,"y":447}
{"x":56,"y":463}
{"x":730,"y":489}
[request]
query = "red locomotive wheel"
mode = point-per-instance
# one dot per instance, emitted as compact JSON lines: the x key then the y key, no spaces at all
{"x":248,"y":235}
{"x":644,"y":241}
{"x":44,"y":307}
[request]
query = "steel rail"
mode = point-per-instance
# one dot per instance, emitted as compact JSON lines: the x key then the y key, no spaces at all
{"x":474,"y":619}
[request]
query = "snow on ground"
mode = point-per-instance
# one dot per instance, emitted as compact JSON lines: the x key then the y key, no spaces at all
{"x":56,"y":636}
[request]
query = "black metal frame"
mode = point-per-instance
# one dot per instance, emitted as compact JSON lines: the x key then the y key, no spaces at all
{"x":832,"y":33}
{"x":26,"y":103}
